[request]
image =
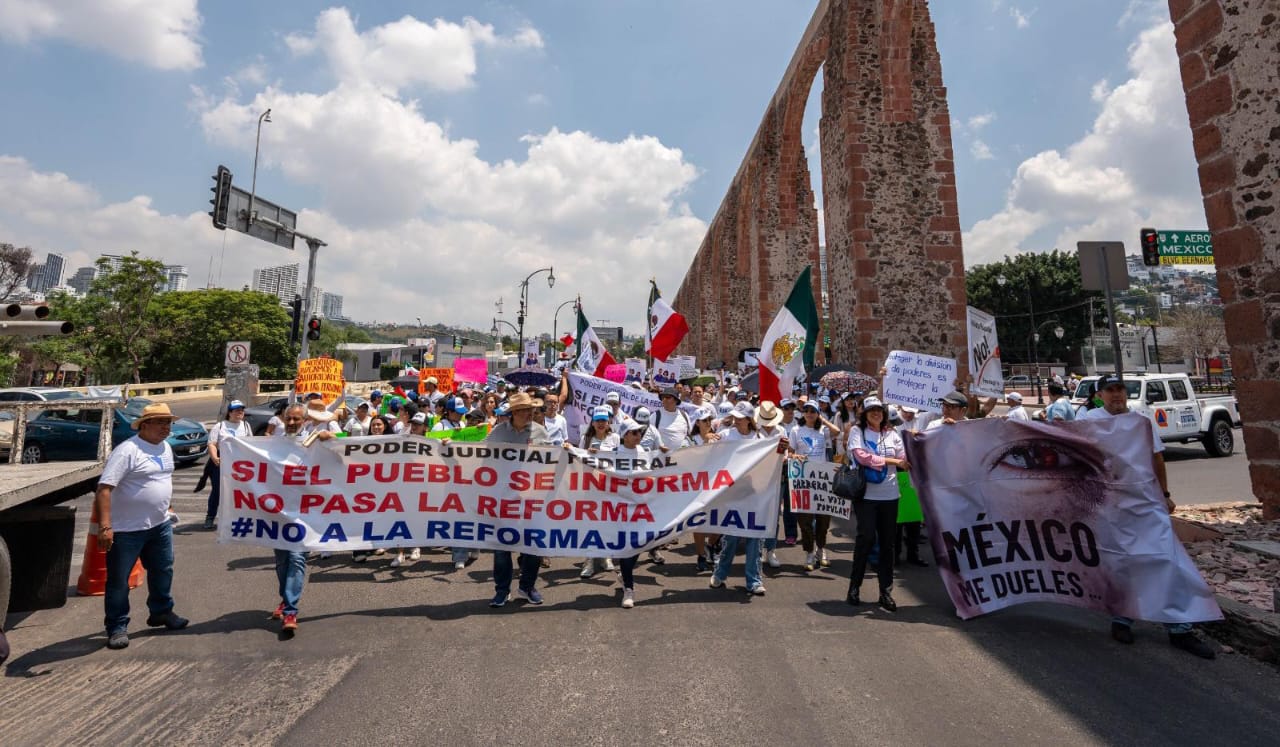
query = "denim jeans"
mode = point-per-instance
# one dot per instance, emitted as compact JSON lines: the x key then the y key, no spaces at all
{"x":790,"y":527}
{"x":154,"y":547}
{"x":458,"y":554}
{"x":502,"y":570}
{"x":291,"y":570}
{"x":1172,"y":628}
{"x":729,"y":548}
{"x":215,"y":491}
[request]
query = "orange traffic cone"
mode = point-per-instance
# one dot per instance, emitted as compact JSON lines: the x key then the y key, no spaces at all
{"x":93,"y":571}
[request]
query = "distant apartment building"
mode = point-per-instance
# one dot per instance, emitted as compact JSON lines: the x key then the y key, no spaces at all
{"x":281,"y":281}
{"x":113,"y":264}
{"x":331,"y":306}
{"x":44,"y":277}
{"x":83,"y":278}
{"x":177,"y":277}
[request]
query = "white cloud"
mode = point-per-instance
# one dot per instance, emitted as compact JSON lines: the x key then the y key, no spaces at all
{"x":159,"y":33}
{"x":1134,"y":167}
{"x":978,"y":121}
{"x":440,"y":55}
{"x":1100,"y":91}
{"x":1020,"y":19}
{"x":980,"y":151}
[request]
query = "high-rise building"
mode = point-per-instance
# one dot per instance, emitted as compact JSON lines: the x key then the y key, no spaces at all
{"x":317,"y":296}
{"x":83,"y":279}
{"x":177,"y":277}
{"x":114,"y":263}
{"x":35,"y":279}
{"x":55,"y":270}
{"x":331,"y":306}
{"x":281,"y":281}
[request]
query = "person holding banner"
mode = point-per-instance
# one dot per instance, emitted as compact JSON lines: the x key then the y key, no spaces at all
{"x":630,"y":448}
{"x":743,"y":429}
{"x":555,"y":423}
{"x":291,"y":565}
{"x":879,"y":449}
{"x":232,"y":426}
{"x":520,"y":429}
{"x":599,"y":437}
{"x":809,"y":440}
{"x":769,"y":425}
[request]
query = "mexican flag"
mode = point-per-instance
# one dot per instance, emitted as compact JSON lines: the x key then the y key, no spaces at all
{"x":666,"y":327}
{"x":593,"y":358}
{"x":787,"y":350}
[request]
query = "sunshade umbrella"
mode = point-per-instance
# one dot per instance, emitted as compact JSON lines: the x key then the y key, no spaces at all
{"x":531,"y":377}
{"x":848,"y":381}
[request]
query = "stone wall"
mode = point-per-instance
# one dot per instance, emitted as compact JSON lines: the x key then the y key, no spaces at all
{"x":1229,"y":52}
{"x":888,"y":179}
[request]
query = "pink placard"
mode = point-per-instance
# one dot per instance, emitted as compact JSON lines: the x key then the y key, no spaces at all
{"x":474,"y":370}
{"x":616,"y":373}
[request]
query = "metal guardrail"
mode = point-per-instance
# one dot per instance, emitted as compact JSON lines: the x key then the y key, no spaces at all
{"x":267,"y":386}
{"x":20,"y":410}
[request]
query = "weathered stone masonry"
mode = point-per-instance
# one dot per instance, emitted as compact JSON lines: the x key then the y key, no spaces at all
{"x":892,"y":225}
{"x":1229,"y":53}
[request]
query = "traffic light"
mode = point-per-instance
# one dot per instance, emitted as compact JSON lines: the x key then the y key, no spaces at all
{"x":313,"y":329}
{"x":1150,"y":247}
{"x":295,"y":320}
{"x":221,"y":197}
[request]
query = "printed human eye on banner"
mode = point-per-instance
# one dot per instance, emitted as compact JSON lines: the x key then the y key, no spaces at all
{"x":1068,"y":513}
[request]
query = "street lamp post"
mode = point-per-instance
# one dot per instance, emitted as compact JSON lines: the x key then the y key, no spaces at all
{"x":494,"y":329}
{"x":1058,"y":332}
{"x":524,"y":301}
{"x":1031,"y":308}
{"x":555,"y":320}
{"x":253,"y":184}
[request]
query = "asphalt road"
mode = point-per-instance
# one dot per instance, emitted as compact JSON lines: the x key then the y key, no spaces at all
{"x":414,"y":655}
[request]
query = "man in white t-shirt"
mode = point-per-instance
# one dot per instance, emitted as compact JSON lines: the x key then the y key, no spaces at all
{"x":1115,"y":401}
{"x":131,"y":501}
{"x":673,"y":423}
{"x":555,"y":423}
{"x":1016,"y":410}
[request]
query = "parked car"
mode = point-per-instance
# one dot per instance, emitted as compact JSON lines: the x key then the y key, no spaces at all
{"x":1180,"y":416}
{"x":25,"y":394}
{"x":259,"y":415}
{"x":71,"y":433}
{"x":1017,"y":382}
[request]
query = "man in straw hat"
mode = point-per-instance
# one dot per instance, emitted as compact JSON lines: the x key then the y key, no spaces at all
{"x":519,"y":429}
{"x":133,"y":495}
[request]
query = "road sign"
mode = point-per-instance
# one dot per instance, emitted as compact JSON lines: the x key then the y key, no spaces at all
{"x":238,"y":218}
{"x":237,"y":354}
{"x":1185,"y":247}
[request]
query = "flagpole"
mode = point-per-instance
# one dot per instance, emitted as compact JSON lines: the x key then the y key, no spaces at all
{"x":648,"y":323}
{"x":577,"y":306}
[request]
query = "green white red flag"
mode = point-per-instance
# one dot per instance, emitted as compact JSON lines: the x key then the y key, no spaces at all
{"x":593,"y":357}
{"x":666,"y":327}
{"x":787,"y":350}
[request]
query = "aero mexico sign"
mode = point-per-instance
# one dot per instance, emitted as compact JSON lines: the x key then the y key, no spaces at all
{"x":1185,"y":247}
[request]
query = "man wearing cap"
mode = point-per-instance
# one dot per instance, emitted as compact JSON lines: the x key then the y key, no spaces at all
{"x":673,"y":424}
{"x":954,"y":406}
{"x":232,"y":426}
{"x":618,"y":420}
{"x":453,"y":412}
{"x":520,"y":429}
{"x":1016,"y":410}
{"x":1115,"y":401}
{"x":431,"y":390}
{"x":131,"y":501}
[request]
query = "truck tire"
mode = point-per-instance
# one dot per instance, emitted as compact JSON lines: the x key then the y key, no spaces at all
{"x":1220,"y":441}
{"x":6,"y":580}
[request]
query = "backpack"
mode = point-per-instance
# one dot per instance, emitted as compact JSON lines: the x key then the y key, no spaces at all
{"x":688,"y":424}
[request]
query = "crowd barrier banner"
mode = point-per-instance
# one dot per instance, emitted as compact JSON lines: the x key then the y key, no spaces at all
{"x":1067,"y":512}
{"x":810,"y":482}
{"x":405,"y":491}
{"x":590,"y":392}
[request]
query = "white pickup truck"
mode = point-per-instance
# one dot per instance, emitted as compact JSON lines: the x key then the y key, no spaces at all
{"x":1179,"y":414}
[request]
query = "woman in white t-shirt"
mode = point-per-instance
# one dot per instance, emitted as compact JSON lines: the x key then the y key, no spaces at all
{"x":879,"y":449}
{"x":631,"y":449}
{"x":743,"y":429}
{"x":599,"y":436}
{"x":232,"y":426}
{"x":809,"y":439}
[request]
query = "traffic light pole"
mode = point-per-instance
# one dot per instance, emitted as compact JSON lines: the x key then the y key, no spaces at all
{"x":313,"y":246}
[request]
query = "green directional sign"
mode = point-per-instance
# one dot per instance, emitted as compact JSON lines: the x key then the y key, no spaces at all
{"x":1185,"y":247}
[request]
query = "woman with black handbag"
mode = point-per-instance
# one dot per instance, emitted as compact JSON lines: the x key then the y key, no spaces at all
{"x":878,"y":448}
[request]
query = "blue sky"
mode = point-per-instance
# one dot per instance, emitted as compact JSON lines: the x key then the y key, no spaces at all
{"x":446,"y":149}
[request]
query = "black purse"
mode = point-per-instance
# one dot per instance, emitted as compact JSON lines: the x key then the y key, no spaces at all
{"x":849,"y":482}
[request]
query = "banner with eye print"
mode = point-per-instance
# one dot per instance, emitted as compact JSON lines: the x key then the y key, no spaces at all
{"x":1066,"y":512}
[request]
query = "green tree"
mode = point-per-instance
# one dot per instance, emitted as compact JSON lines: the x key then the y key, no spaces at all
{"x":200,"y":323}
{"x":1049,"y":284}
{"x":334,"y":334}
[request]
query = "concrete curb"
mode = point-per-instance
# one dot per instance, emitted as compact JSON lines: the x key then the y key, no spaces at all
{"x":1247,"y":629}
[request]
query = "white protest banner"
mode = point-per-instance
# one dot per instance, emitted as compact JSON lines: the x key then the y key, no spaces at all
{"x":688,"y":366}
{"x":406,"y":491}
{"x":917,"y":380}
{"x":666,"y":373}
{"x":590,"y":391}
{"x":636,"y":369}
{"x":1069,"y":513}
{"x":984,"y":354}
{"x":810,"y":482}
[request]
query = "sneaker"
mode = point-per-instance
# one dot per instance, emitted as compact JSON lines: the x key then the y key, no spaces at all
{"x":628,"y":599}
{"x":168,"y":620}
{"x":588,"y":568}
{"x":656,"y":558}
{"x":290,"y":622}
{"x":716,"y":583}
{"x":546,"y":563}
{"x":886,"y":601}
{"x":208,"y":522}
{"x":809,"y":561}
{"x":118,"y":640}
{"x":608,"y":564}
{"x":532,"y":596}
{"x":473,"y":555}
{"x":380,"y":551}
{"x":1121,"y":633}
{"x":499,"y":599}
{"x":414,"y":554}
{"x":397,"y":561}
{"x":773,"y":560}
{"x":822,"y":558}
{"x":461,"y":565}
{"x":790,"y":541}
{"x":359,"y":556}
{"x":702,"y":563}
{"x":757,"y":590}
{"x":279,"y":613}
{"x":1192,"y":644}
{"x":326,"y":555}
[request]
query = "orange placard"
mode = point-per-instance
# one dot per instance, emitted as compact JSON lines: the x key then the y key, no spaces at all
{"x":322,"y":375}
{"x":444,"y":379}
